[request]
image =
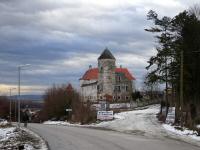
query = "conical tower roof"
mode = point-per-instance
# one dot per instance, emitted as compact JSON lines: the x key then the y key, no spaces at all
{"x":106,"y":54}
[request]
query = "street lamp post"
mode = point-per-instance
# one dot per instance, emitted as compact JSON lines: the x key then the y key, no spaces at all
{"x":10,"y":109}
{"x":19,"y":84}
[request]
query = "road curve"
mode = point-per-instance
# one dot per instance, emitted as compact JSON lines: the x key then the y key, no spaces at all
{"x":76,"y":138}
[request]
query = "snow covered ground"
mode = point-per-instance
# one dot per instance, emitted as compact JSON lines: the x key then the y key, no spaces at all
{"x":142,"y":122}
{"x":183,"y":133}
{"x":138,"y":121}
{"x":6,"y":133}
{"x":11,"y":138}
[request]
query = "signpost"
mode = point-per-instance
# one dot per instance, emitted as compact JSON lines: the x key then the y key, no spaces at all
{"x":104,"y":115}
{"x":68,"y":110}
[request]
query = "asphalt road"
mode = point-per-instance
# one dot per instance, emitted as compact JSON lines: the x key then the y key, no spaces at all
{"x":76,"y":138}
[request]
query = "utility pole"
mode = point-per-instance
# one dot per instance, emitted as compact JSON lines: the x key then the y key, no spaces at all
{"x":19,"y":69}
{"x":15,"y":109}
{"x":19,"y":83}
{"x":10,"y":109}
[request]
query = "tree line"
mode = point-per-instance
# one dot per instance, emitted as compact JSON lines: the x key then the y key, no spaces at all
{"x":177,"y":62}
{"x":61,"y":97}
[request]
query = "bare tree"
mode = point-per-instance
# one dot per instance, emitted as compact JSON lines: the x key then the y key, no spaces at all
{"x":195,"y":10}
{"x":4,"y":107}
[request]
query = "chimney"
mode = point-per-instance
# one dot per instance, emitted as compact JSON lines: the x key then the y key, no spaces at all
{"x":90,"y":66}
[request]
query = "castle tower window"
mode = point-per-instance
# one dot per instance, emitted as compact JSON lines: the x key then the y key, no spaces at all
{"x":101,"y":69}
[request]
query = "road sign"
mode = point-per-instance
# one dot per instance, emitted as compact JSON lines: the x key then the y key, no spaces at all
{"x":105,"y":115}
{"x":68,"y":109}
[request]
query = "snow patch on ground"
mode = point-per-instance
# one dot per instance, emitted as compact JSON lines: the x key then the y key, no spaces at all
{"x":11,"y":137}
{"x":42,"y":143}
{"x":137,"y":121}
{"x":3,"y":123}
{"x":57,"y":123}
{"x":198,"y":126}
{"x":183,"y":133}
{"x":6,"y":133}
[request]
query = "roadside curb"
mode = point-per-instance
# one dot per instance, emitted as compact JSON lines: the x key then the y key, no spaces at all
{"x":44,"y":143}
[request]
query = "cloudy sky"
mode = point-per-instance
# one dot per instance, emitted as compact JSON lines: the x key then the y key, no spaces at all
{"x":61,"y":38}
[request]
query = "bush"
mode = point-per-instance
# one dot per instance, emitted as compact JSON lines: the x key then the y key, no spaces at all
{"x":4,"y":107}
{"x":57,"y":99}
{"x":83,"y":113}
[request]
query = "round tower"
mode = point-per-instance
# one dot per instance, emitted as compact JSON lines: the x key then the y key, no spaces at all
{"x":106,"y":76}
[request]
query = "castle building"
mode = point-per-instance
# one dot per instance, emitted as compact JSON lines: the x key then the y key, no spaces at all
{"x":107,"y":82}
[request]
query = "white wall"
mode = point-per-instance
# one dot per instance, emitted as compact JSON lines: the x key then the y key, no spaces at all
{"x":89,"y":92}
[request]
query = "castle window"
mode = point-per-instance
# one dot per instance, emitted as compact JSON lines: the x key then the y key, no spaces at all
{"x":127,"y":97}
{"x":119,"y":78}
{"x":100,"y":88}
{"x":101,"y":69}
{"x":126,"y":87}
{"x":118,"y":88}
{"x":119,"y":97}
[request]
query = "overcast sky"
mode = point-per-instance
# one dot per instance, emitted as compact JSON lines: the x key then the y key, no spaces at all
{"x":61,"y":38}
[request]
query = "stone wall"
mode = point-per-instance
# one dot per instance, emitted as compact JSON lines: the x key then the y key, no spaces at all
{"x":123,"y":88}
{"x":106,"y":78}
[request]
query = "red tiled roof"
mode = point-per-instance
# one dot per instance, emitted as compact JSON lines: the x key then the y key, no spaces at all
{"x":128,"y":75}
{"x":92,"y":74}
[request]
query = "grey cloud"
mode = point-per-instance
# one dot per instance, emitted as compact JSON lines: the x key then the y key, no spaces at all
{"x":47,"y":33}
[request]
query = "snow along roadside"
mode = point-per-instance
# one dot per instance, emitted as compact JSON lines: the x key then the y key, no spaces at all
{"x":43,"y":144}
{"x":184,"y":133}
{"x":11,"y":138}
{"x":140,"y":122}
